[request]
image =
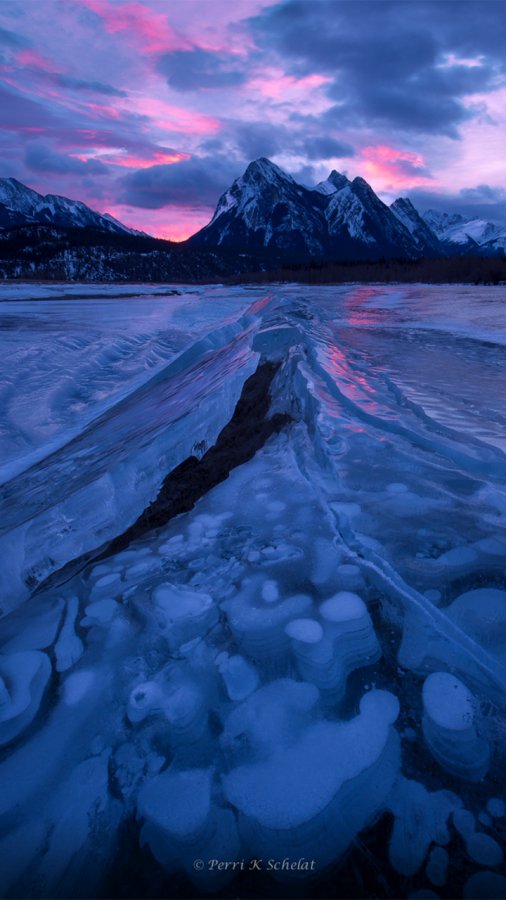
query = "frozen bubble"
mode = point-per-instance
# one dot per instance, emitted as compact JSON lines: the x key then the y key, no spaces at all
{"x":326,"y":558}
{"x":458,"y":557}
{"x":270,"y":591}
{"x":484,"y":850}
{"x":396,"y":487}
{"x":420,"y":819}
{"x":286,"y":790}
{"x":437,"y":866}
{"x":144,"y":699}
{"x":464,"y":822}
{"x":176,"y":803}
{"x":141,"y":568}
{"x":107,"y":580}
{"x":382,"y":703}
{"x":100,"y":612}
{"x":240,"y":677}
{"x":308,"y":631}
{"x":448,"y":727}
{"x":482,"y":614}
{"x":271,"y":718}
{"x":448,"y":702}
{"x":183,"y":614}
{"x":496,"y":808}
{"x":342,"y":607}
{"x":77,"y":686}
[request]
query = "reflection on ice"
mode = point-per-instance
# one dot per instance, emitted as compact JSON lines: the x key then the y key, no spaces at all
{"x":311,"y":662}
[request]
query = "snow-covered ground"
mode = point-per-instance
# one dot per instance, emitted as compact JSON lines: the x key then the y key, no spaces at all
{"x":308,"y":666}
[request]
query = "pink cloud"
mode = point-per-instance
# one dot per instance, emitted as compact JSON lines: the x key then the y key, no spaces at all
{"x":34,"y":60}
{"x":168,"y":117}
{"x":133,"y":161}
{"x":277,"y":86}
{"x":391,"y":169}
{"x":139,"y":24}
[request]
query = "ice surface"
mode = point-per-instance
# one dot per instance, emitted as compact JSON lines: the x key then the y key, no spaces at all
{"x":485,"y":886}
{"x":23,"y":679}
{"x":236,"y":682}
{"x":69,"y":647}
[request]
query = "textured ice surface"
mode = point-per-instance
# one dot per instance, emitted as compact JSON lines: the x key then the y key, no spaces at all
{"x":311,"y":662}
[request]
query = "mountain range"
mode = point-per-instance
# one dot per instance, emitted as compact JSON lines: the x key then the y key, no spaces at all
{"x":265,"y":210}
{"x":20,"y":205}
{"x":265,"y":219}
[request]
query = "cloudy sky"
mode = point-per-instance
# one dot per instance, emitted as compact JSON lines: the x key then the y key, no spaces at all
{"x":148,"y":109}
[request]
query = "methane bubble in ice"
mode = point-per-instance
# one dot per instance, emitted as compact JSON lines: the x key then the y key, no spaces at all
{"x":182,"y":614}
{"x":449,"y":727}
{"x":306,"y":787}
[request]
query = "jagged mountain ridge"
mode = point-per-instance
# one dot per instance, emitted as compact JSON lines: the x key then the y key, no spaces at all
{"x":20,"y":205}
{"x":471,"y":235}
{"x":264,"y":221}
{"x":266,"y":210}
{"x":426,"y":241}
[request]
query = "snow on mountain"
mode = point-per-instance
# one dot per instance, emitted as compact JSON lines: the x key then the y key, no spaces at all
{"x":424,"y":237}
{"x":354,"y":213}
{"x":333,"y":183}
{"x":265,"y":209}
{"x":497,"y":244}
{"x":17,"y":197}
{"x":439,"y":222}
{"x":456,"y":229}
{"x":123,"y":227}
{"x":20,"y":205}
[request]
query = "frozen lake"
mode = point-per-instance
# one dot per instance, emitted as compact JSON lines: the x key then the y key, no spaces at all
{"x":310,"y":663}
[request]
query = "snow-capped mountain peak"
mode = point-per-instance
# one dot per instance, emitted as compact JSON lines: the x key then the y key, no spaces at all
{"x":441,"y":222}
{"x":454,"y":228}
{"x":263,"y":168}
{"x":333,"y":183}
{"x":265,"y":209}
{"x":20,"y":205}
{"x":17,"y":196}
{"x":423,"y":236}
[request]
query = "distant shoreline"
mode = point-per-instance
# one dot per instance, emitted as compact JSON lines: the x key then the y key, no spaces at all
{"x":463,"y":270}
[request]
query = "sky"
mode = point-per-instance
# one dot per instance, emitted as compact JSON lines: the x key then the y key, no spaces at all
{"x":148,"y":109}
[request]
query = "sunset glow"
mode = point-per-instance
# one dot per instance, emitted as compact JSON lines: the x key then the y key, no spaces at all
{"x":154,"y":108}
